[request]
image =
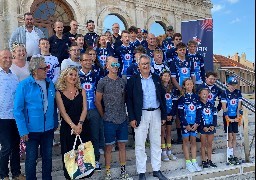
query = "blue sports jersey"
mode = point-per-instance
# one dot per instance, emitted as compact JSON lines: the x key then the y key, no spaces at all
{"x":90,"y":39}
{"x":171,"y":103}
{"x":135,"y":43}
{"x":214,"y":92}
{"x":167,"y":44}
{"x":208,"y":114}
{"x":181,"y":70}
{"x":89,"y":82}
{"x":132,"y":70}
{"x":170,"y":55}
{"x":158,"y":68}
{"x":98,"y":70}
{"x":188,"y":105}
{"x":143,"y":42}
{"x":198,"y":62}
{"x":102,"y":54}
{"x":231,"y":99}
{"x":125,"y":57}
{"x":150,"y":53}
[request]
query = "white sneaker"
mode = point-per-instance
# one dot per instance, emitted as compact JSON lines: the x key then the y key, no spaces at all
{"x":113,"y":148}
{"x":190,"y":167}
{"x":101,"y":151}
{"x":172,"y":157}
{"x":164,"y":157}
{"x":197,"y":167}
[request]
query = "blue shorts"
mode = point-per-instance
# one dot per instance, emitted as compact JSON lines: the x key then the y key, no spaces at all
{"x":186,"y":133}
{"x":115,"y":132}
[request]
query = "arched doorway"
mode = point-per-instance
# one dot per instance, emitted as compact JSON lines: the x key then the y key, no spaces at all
{"x":46,"y":12}
{"x":110,"y":20}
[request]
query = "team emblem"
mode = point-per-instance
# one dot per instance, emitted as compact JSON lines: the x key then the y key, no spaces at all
{"x":191,"y":107}
{"x":87,"y":86}
{"x":210,"y":96}
{"x":233,"y":101}
{"x":207,"y":111}
{"x":103,"y":57}
{"x":167,"y":96}
{"x":184,"y":70}
{"x":127,"y":56}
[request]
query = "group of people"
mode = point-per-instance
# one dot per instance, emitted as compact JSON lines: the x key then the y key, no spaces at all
{"x":99,"y":84}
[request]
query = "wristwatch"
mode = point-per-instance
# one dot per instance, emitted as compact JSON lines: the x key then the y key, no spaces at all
{"x":81,"y":122}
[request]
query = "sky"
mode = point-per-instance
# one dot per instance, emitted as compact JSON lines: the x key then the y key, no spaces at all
{"x":233,"y":27}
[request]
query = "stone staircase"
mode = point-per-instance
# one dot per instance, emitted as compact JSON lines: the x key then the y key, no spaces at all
{"x":175,"y":169}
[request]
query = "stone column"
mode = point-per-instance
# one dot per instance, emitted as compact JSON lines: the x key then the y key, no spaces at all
{"x":178,"y":19}
{"x":140,"y":19}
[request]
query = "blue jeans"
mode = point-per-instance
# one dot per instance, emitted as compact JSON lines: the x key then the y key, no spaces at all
{"x":9,"y":148}
{"x":44,"y":139}
{"x":96,"y":127}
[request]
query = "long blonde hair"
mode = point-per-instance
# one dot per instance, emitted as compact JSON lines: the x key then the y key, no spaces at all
{"x":61,"y":83}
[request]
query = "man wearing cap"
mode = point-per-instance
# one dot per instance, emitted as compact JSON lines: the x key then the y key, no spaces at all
{"x":144,"y":34}
{"x":168,"y":41}
{"x":231,"y":100}
{"x":91,"y":36}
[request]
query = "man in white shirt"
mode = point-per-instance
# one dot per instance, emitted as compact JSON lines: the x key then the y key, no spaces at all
{"x":74,"y":59}
{"x":9,"y":135}
{"x":29,"y":35}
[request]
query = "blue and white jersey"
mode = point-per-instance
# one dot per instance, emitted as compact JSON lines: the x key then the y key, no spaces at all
{"x":171,"y":104}
{"x":90,"y":39}
{"x":135,"y":43}
{"x":132,"y":70}
{"x":231,"y":99}
{"x":102,"y":54}
{"x":98,"y":70}
{"x":167,"y":44}
{"x":198,"y":62}
{"x":158,"y":68}
{"x":181,"y":70}
{"x":143,"y":42}
{"x":54,"y":70}
{"x":207,"y":114}
{"x":125,"y":57}
{"x":214,"y":92}
{"x":150,"y":53}
{"x":89,"y":82}
{"x":188,"y":105}
{"x":170,"y":55}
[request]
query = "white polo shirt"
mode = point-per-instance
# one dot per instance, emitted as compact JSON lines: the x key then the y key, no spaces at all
{"x":32,"y":42}
{"x":8,"y":84}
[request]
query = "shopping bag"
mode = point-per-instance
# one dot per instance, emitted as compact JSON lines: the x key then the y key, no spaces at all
{"x":80,"y":162}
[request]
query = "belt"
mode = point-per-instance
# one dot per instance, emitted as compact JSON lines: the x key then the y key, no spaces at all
{"x":150,"y":109}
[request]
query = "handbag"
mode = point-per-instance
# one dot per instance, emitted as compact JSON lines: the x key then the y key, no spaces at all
{"x":80,"y":162}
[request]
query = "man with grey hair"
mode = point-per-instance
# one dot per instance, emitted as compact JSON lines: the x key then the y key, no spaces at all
{"x":29,"y":35}
{"x":9,"y":135}
{"x":146,"y":107}
{"x":35,"y":113}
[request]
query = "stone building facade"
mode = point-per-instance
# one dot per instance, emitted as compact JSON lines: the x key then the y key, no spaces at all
{"x":141,"y":13}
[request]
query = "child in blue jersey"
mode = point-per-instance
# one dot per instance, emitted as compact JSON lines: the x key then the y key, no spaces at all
{"x":208,"y":121}
{"x":181,"y":68}
{"x":198,"y":61}
{"x":171,"y":108}
{"x":133,"y":36}
{"x":158,"y":65}
{"x":188,"y":106}
{"x":231,"y":100}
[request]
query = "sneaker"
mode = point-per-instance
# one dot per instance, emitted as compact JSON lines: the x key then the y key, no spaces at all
{"x":101,"y":151}
{"x":108,"y":175}
{"x":197,"y":167}
{"x":125,"y":176}
{"x":211,"y":164}
{"x":205,"y":164}
{"x":172,"y":157}
{"x":164,"y":157}
{"x":190,"y":167}
{"x":113,"y":149}
{"x":97,"y":166}
{"x":231,"y":160}
{"x":237,"y":161}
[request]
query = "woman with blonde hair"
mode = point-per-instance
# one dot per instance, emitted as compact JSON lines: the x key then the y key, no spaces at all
{"x":72,"y":104}
{"x":19,"y":64}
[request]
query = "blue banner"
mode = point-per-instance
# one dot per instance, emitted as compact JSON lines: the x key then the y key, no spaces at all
{"x":201,"y":31}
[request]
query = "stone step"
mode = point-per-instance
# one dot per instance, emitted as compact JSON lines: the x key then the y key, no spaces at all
{"x":175,"y":169}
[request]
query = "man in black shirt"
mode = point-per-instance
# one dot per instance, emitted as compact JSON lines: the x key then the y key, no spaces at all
{"x":91,"y":36}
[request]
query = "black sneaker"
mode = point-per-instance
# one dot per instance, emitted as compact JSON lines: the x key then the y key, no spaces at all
{"x":211,"y":164}
{"x":231,"y":160}
{"x":237,"y":161}
{"x":205,"y":164}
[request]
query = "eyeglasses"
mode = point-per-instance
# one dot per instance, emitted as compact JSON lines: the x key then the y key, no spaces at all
{"x":114,"y":64}
{"x":45,"y":68}
{"x":177,"y":39}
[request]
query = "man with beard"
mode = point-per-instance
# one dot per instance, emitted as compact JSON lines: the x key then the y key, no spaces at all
{"x":91,"y":36}
{"x":29,"y":35}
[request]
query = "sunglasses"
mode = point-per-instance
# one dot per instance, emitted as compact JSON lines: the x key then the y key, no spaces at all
{"x":114,"y":64}
{"x":45,"y":68}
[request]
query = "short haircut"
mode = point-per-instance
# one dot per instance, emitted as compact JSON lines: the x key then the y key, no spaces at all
{"x":211,"y":73}
{"x":158,"y":51}
{"x":133,"y":29}
{"x":43,"y":39}
{"x":192,"y":42}
{"x":204,"y":88}
{"x":176,"y":35}
{"x":72,"y":44}
{"x":125,"y":31}
{"x":181,"y":45}
{"x":143,"y":56}
{"x":28,"y":14}
{"x":139,"y":49}
{"x":89,"y":21}
{"x":78,"y":35}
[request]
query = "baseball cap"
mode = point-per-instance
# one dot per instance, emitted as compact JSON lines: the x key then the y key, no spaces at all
{"x":232,"y":80}
{"x":144,"y":31}
{"x":169,"y":28}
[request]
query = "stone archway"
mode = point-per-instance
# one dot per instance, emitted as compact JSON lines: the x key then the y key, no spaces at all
{"x":158,"y":19}
{"x":110,"y":10}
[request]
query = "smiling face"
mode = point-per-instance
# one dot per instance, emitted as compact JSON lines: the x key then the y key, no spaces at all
{"x":86,"y":61}
{"x":204,"y":95}
{"x":166,"y":77}
{"x":44,"y":45}
{"x":144,"y":66}
{"x":72,"y":77}
{"x":5,"y":60}
{"x":112,"y":65}
{"x":188,"y":86}
{"x":19,"y":53}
